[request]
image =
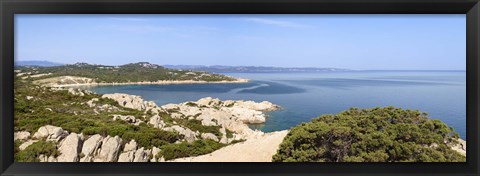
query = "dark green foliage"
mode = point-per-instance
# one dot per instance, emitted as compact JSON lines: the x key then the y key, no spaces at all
{"x":185,"y":149}
{"x":191,"y":104}
{"x":370,"y":135}
{"x":32,"y":152}
{"x":196,"y":125}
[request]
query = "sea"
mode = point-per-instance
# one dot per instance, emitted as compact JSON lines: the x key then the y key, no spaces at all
{"x":303,"y":96}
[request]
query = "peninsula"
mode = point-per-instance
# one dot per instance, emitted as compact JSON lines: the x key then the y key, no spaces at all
{"x":84,"y":74}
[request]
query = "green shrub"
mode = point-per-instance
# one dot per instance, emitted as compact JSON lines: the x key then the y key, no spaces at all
{"x":32,"y":152}
{"x":185,"y":149}
{"x":370,"y":135}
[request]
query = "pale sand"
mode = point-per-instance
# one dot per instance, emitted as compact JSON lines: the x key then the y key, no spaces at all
{"x":259,"y":149}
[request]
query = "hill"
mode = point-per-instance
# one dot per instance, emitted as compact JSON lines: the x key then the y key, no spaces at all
{"x":134,"y":73}
{"x":372,"y":135}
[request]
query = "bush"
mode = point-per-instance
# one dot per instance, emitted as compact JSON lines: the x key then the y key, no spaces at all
{"x":185,"y":149}
{"x":32,"y":152}
{"x":370,"y":135}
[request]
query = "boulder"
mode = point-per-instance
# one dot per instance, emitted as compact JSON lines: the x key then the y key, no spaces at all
{"x":142,"y":155}
{"x":90,"y":147}
{"x":129,"y":101}
{"x":209,"y":101}
{"x":157,"y":121}
{"x":70,"y":147}
{"x":209,"y":136}
{"x":155,"y":152}
{"x":131,"y":146}
{"x":126,"y":118}
{"x":91,"y":103}
{"x":50,"y":133}
{"x":24,"y":145}
{"x":21,"y":135}
{"x":188,"y":134}
{"x":110,"y":149}
{"x":127,"y":156}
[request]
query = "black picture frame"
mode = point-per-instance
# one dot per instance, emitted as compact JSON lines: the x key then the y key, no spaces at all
{"x":8,"y":8}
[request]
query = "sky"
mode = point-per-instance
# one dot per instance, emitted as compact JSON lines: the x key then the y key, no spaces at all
{"x":362,"y":42}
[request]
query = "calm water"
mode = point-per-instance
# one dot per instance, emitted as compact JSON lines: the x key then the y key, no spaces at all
{"x":304,"y":96}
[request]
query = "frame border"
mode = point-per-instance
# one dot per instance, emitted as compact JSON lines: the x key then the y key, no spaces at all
{"x":8,"y":9}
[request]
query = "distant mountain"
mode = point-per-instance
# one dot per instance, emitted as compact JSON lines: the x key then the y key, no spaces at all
{"x":37,"y":63}
{"x":250,"y":69}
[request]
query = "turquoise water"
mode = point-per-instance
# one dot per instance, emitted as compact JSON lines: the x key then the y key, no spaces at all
{"x":304,"y":96}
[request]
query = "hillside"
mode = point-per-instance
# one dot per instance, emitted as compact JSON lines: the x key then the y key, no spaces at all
{"x":134,"y":73}
{"x":71,"y":125}
{"x":386,"y":134}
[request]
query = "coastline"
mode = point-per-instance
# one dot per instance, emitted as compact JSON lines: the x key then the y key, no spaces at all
{"x":163,"y":82}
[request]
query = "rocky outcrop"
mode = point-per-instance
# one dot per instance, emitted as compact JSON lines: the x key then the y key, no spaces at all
{"x":91,"y":147}
{"x":131,"y":154}
{"x":209,"y":136}
{"x":229,"y":114}
{"x":24,"y":145}
{"x":128,"y":118}
{"x":460,"y":146}
{"x":50,"y":133}
{"x":110,"y":150}
{"x":70,"y":147}
{"x":21,"y":135}
{"x":157,"y":121}
{"x":188,"y":134}
{"x":142,"y":155}
{"x":131,"y":101}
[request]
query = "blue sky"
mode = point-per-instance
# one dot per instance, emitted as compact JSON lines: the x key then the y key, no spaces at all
{"x":380,"y":42}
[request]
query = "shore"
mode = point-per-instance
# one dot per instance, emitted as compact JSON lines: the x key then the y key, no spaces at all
{"x":81,"y":81}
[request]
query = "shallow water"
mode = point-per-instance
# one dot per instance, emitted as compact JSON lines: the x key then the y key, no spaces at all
{"x":304,"y":96}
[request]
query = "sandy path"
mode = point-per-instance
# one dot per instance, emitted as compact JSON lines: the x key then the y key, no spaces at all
{"x":260,"y":149}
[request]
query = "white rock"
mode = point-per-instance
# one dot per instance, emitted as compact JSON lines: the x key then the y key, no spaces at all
{"x":129,"y":101}
{"x":70,"y":147}
{"x":51,"y":133}
{"x":24,"y":145}
{"x":21,"y":135}
{"x":461,"y":147}
{"x":142,"y":155}
{"x":126,"y":156}
{"x":132,"y":145}
{"x":110,"y":149}
{"x":188,"y":134}
{"x":157,"y":121}
{"x":90,"y":147}
{"x":126,"y":118}
{"x":155,"y":152}
{"x":209,"y":136}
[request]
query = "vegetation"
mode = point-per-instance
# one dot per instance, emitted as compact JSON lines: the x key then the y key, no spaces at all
{"x":32,"y":152}
{"x":135,"y":72}
{"x":36,"y":106}
{"x":185,"y":149}
{"x":370,"y":135}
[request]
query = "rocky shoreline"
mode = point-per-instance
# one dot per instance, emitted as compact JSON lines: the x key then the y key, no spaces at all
{"x":73,"y":81}
{"x":230,"y":115}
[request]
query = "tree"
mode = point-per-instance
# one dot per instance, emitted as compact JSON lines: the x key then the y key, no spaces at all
{"x":370,"y":135}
